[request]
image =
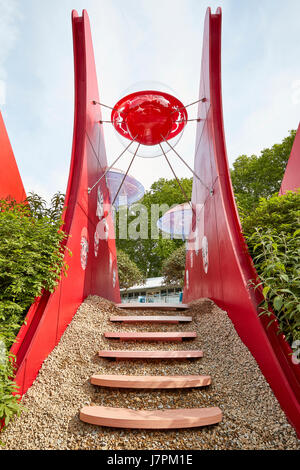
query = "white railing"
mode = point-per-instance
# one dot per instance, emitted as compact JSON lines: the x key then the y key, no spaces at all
{"x":168,"y":299}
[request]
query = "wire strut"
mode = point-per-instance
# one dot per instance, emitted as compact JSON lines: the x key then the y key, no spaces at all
{"x":105,"y":105}
{"x":120,"y":187}
{"x":183,"y":161}
{"x":108,"y":169}
{"x":195,"y":102}
{"x":178,"y":182}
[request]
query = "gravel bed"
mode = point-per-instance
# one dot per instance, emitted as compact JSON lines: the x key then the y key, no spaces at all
{"x":253,"y":418}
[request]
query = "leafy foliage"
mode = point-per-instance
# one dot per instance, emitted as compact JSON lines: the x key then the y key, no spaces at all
{"x":279,"y":213}
{"x":270,"y":224}
{"x":174,"y":267}
{"x":273,"y":236}
{"x":129,"y":273}
{"x":260,"y":176}
{"x":149,"y":253}
{"x":31,"y":260}
{"x":9,"y":405}
{"x":277,"y":259}
{"x":39,"y":209}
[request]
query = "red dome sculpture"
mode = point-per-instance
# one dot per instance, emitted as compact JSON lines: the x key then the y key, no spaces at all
{"x":149,"y":117}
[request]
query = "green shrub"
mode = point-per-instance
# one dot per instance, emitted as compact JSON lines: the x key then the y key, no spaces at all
{"x":174,"y":267}
{"x":9,"y":405}
{"x":129,"y":273}
{"x":279,"y":213}
{"x":31,"y":260}
{"x":277,"y":260}
{"x":255,"y":176}
{"x":273,"y":237}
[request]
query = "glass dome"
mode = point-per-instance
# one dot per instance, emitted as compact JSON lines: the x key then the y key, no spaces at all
{"x":177,"y":221}
{"x":132,"y":190}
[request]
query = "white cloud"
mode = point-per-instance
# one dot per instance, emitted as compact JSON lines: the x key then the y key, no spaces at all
{"x":2,"y":92}
{"x":10,"y":14}
{"x":138,"y":40}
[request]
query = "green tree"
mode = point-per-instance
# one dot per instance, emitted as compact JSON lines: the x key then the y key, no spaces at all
{"x":277,"y":260}
{"x":174,"y":267}
{"x":129,"y":273}
{"x":31,"y":259}
{"x":39,"y":208}
{"x":273,"y":237}
{"x":149,"y":253}
{"x":278,"y":213}
{"x":260,"y":176}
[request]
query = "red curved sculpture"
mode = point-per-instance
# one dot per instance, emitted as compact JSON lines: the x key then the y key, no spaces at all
{"x":11,"y":185}
{"x":291,"y":179}
{"x":220,"y":266}
{"x":93,"y":265}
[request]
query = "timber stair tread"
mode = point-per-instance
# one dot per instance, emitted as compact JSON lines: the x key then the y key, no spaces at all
{"x":151,"y":381}
{"x":150,"y":354}
{"x":127,"y":418}
{"x":150,"y":318}
{"x":151,"y":336}
{"x":150,"y":419}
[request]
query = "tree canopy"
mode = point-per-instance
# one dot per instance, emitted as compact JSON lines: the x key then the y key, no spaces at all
{"x":260,"y":176}
{"x":146,"y":251}
{"x":173,"y":267}
{"x":253,"y":177}
{"x":129,"y":273}
{"x":31,"y":259}
{"x":278,"y":213}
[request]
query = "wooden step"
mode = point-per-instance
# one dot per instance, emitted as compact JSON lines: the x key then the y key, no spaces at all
{"x":151,"y":306}
{"x":150,"y":354}
{"x":148,"y":336}
{"x":150,"y":319}
{"x":150,"y":419}
{"x":151,"y":381}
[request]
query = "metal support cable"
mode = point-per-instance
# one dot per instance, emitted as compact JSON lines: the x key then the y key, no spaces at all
{"x":183,"y":107}
{"x":189,"y":120}
{"x":105,"y":105}
{"x":183,"y":161}
{"x":177,"y":179}
{"x":108,"y":169}
{"x":120,"y":187}
{"x":191,"y":104}
{"x":125,"y":176}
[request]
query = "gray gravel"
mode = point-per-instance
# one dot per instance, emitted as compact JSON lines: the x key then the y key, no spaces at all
{"x":253,"y":418}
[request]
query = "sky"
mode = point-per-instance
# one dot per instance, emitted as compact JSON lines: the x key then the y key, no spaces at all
{"x":144,"y":41}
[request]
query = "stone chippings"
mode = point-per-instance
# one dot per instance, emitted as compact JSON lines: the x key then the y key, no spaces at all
{"x":253,"y":418}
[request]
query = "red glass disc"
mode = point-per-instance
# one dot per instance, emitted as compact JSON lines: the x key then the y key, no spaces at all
{"x":149,"y":116}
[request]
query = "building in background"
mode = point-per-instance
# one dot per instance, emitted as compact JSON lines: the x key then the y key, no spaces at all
{"x":152,"y":291}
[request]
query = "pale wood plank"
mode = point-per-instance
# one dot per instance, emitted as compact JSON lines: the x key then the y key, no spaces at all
{"x":148,"y":419}
{"x":151,"y":354}
{"x":150,"y":319}
{"x":151,"y":336}
{"x":151,"y":381}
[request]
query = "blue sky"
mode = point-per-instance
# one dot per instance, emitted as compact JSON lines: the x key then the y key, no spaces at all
{"x":144,"y":40}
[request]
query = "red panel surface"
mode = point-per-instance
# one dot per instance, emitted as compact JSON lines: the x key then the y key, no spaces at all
{"x":219,"y":266}
{"x":291,"y":179}
{"x":11,"y":185}
{"x":93,"y":267}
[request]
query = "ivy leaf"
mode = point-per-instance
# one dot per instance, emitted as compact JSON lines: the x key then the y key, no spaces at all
{"x":277,"y":302}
